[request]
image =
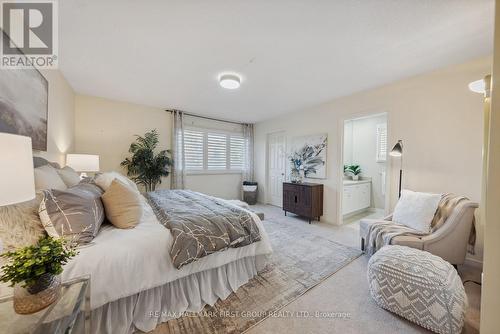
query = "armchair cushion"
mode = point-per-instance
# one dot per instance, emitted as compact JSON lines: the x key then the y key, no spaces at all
{"x":416,"y":210}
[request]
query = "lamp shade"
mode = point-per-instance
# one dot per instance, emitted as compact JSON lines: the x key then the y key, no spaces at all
{"x":17,"y":179}
{"x":397,"y":150}
{"x":83,"y":162}
{"x":482,"y":86}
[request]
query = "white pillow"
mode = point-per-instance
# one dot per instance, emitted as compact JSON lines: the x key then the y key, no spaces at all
{"x":104,"y":180}
{"x":46,"y":177}
{"x":69,"y":176}
{"x":416,"y":210}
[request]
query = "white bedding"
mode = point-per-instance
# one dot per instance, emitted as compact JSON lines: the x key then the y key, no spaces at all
{"x":124,"y":262}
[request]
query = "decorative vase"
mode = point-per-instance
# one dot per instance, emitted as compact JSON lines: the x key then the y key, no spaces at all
{"x":355,"y":177}
{"x":295,"y":176}
{"x":37,"y":296}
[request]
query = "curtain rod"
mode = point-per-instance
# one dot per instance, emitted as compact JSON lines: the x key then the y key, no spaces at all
{"x":209,"y":118}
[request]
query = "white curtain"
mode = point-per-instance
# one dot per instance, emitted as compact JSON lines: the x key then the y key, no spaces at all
{"x":178,"y":176}
{"x":248,"y":168}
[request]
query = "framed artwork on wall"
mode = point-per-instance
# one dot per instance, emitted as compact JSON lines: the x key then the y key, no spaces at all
{"x":24,"y":104}
{"x":308,"y":155}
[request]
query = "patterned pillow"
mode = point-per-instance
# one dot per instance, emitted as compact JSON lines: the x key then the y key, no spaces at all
{"x":76,"y":213}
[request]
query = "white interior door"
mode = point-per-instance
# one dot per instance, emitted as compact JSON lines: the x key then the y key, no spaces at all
{"x":276,"y":164}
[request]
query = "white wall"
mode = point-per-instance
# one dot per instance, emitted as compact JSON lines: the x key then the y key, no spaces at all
{"x":360,"y":148}
{"x":107,"y":127}
{"x":435,"y":114}
{"x":61,"y":118}
{"x":226,"y":186}
{"x":490,"y":303}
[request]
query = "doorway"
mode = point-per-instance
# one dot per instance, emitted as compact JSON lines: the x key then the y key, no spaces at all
{"x":364,"y":171}
{"x":276,"y":164}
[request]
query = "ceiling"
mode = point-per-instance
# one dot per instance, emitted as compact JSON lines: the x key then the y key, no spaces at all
{"x":291,"y":54}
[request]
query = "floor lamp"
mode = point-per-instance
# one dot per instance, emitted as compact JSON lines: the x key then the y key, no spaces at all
{"x":397,"y":151}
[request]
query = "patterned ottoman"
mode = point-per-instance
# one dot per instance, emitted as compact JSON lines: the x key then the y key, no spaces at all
{"x":418,"y":286}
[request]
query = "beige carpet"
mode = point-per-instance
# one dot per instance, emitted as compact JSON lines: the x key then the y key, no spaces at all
{"x":346,"y":292}
{"x":300,"y":261}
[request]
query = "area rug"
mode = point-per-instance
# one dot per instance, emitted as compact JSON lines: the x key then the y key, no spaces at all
{"x":300,"y":261}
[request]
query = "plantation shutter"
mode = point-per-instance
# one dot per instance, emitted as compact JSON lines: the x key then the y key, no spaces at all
{"x":216,"y":151}
{"x":381,"y":142}
{"x":237,"y":149}
{"x":193,"y":149}
{"x":212,"y":150}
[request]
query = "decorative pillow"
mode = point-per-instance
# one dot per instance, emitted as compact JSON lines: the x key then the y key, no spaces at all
{"x":122,"y":205}
{"x":104,"y":180}
{"x":69,"y":176}
{"x":76,"y":213}
{"x":416,"y":210}
{"x":46,"y":177}
{"x":20,"y":225}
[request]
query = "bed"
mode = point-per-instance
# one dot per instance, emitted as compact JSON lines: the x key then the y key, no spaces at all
{"x":135,"y":284}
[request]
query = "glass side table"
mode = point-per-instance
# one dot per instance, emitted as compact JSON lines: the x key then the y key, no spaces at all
{"x":70,"y":311}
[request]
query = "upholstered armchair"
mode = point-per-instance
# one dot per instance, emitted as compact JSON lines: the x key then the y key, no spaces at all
{"x":448,"y":242}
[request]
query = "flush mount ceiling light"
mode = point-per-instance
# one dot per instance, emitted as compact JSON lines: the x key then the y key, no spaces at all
{"x":230,"y":81}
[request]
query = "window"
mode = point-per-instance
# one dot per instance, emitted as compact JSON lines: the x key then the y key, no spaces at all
{"x":216,"y":151}
{"x":211,"y":150}
{"x":381,"y":142}
{"x":193,"y":149}
{"x":238,"y":152}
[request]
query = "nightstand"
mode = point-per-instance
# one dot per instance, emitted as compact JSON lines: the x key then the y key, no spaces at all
{"x":70,"y":310}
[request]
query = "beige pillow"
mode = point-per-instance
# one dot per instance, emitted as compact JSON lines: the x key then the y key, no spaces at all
{"x":122,"y":205}
{"x":46,"y":177}
{"x":104,"y":180}
{"x":69,"y":176}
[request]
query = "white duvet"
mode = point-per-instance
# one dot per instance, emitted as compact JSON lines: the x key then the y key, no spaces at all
{"x":124,"y":262}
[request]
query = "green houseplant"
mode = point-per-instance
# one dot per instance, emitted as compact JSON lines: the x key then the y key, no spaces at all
{"x":33,"y":270}
{"x":354,"y":170}
{"x":144,"y":166}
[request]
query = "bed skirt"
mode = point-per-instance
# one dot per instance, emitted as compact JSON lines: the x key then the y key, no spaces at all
{"x":146,"y":309}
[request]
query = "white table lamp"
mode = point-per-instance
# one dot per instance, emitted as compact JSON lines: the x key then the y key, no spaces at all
{"x":17,"y":179}
{"x":83,"y":163}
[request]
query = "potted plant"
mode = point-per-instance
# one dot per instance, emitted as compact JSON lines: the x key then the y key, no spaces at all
{"x":33,"y":272}
{"x":355,"y":171}
{"x":145,"y":167}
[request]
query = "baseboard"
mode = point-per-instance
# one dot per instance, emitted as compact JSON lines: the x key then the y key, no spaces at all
{"x":473,"y":262}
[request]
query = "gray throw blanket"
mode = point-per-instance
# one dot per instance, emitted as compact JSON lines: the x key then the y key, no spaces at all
{"x":381,"y":233}
{"x":201,"y":224}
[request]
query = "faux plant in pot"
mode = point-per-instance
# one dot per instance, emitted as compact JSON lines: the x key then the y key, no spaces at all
{"x":355,"y":171}
{"x":145,"y":166}
{"x":33,"y":272}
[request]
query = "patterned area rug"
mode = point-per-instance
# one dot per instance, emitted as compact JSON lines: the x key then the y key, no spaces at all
{"x":300,"y":261}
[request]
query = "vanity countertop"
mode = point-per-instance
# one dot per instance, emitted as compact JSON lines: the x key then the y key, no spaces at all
{"x":351,"y":182}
